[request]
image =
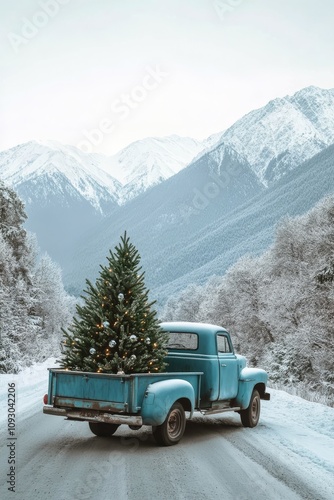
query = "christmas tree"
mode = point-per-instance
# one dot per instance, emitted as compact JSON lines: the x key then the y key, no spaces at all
{"x":116,"y":330}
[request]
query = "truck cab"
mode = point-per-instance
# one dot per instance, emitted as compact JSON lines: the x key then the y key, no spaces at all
{"x":208,"y":348}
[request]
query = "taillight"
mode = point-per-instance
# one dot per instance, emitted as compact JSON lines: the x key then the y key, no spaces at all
{"x":45,"y":399}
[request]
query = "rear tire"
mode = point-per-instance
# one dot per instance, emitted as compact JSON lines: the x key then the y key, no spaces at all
{"x":103,"y":430}
{"x":172,"y":429}
{"x":251,"y":415}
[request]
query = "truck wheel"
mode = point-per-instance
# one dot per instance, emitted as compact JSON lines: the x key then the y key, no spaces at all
{"x":172,"y":429}
{"x":103,"y":430}
{"x":251,"y":415}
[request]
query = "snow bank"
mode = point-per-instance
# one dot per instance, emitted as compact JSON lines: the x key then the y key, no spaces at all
{"x":290,"y":409}
{"x":30,"y":386}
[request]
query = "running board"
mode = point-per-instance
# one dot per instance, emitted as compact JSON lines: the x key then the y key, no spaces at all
{"x":212,"y":411}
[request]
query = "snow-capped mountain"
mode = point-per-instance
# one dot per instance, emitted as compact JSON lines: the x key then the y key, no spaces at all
{"x":98,"y":179}
{"x":285,"y":132}
{"x":213,"y":140}
{"x":66,"y":191}
{"x":147,"y":162}
{"x":200,"y":221}
{"x":44,"y":169}
{"x":164,"y":220}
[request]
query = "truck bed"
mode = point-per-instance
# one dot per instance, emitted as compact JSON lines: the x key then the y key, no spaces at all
{"x":108,"y":392}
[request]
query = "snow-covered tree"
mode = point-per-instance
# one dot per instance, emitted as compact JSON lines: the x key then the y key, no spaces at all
{"x":12,"y":217}
{"x":51,"y":302}
{"x":280,"y":306}
{"x":184,"y":306}
{"x":33,"y":303}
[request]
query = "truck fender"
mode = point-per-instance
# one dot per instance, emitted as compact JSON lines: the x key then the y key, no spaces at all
{"x":160,"y":396}
{"x":248,"y":379}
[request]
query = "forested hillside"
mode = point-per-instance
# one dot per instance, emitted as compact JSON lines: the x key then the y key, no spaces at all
{"x":33,"y":303}
{"x":279,"y":306}
{"x":202,"y":220}
{"x":247,"y":229}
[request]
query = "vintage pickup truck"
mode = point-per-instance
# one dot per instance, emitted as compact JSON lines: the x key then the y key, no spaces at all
{"x":204,"y":374}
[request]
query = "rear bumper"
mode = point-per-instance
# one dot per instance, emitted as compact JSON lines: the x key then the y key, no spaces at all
{"x":92,"y":416}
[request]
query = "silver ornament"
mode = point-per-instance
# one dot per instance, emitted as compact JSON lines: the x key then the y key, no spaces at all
{"x":148,"y":340}
{"x":120,"y":297}
{"x":133,"y":338}
{"x":133,"y":357}
{"x":112,"y":343}
{"x":92,"y":350}
{"x":106,"y":324}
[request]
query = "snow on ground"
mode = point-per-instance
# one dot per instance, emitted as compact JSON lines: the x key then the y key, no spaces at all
{"x":306,"y":428}
{"x":293,"y":409}
{"x":30,"y":385}
{"x":303,"y":428}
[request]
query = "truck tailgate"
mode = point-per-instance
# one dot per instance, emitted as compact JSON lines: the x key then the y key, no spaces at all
{"x":95,"y":391}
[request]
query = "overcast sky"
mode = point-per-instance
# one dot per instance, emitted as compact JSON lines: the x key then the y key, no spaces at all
{"x":103,"y":73}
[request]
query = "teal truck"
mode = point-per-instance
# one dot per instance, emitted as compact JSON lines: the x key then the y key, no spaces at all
{"x":204,"y":375}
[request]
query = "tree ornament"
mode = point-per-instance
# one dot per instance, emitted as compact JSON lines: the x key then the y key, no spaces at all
{"x":133,"y":357}
{"x":147,"y":340}
{"x":92,"y":350}
{"x":112,"y":343}
{"x":106,"y":324}
{"x":120,"y":297}
{"x":133,"y":338}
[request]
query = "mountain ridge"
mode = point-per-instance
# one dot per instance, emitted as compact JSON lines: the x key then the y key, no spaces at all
{"x":287,"y":131}
{"x":211,"y":241}
{"x":77,"y":191}
{"x":147,"y":162}
{"x":32,"y":160}
{"x":165,"y":216}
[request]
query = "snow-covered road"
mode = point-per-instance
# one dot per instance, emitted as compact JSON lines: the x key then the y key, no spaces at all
{"x":290,"y":455}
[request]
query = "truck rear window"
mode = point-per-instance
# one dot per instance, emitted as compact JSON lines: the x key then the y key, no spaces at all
{"x":182,"y":340}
